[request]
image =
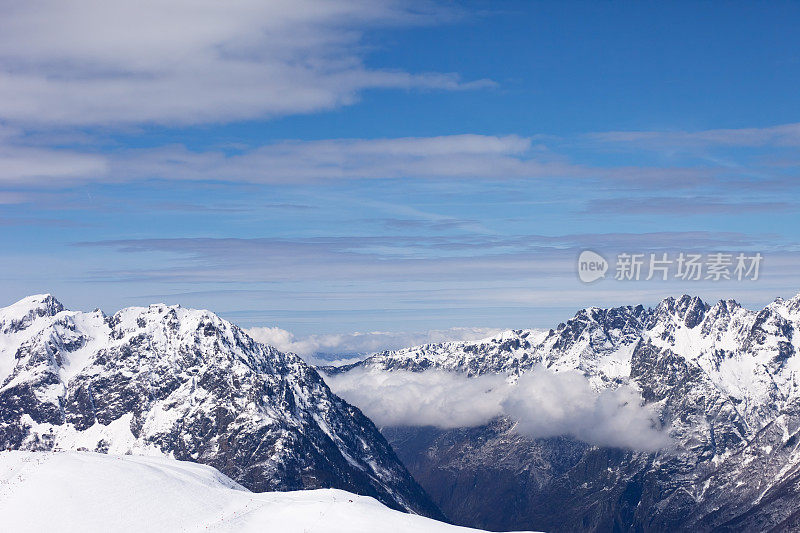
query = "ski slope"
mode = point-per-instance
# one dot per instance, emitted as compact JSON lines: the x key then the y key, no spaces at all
{"x":90,"y":492}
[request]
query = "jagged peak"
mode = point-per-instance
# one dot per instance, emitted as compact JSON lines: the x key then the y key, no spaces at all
{"x":176,"y":324}
{"x":787,"y":308}
{"x":45,"y":301}
{"x":154,"y":319}
{"x":161,"y":309}
{"x":794,"y":301}
{"x":723,"y":308}
{"x":602,"y":315}
{"x":687,"y":300}
{"x":37,"y":297}
{"x":175,"y":317}
{"x":22,"y":313}
{"x":687,"y":309}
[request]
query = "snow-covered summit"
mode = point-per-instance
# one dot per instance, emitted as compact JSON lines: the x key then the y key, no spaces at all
{"x":184,"y":383}
{"x":21,"y":314}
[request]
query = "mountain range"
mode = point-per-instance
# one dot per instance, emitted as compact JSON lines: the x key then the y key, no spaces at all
{"x":182,"y":384}
{"x":722,"y":379}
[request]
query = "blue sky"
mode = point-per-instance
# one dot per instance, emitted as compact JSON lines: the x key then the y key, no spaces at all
{"x":332,"y":167}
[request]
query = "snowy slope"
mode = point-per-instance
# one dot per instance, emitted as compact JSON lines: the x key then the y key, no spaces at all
{"x":90,"y":492}
{"x":183,"y":383}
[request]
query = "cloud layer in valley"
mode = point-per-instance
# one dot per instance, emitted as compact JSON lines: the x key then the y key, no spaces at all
{"x":545,"y":404}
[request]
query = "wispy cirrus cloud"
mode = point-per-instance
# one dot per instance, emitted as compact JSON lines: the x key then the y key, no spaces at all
{"x":412,"y":247}
{"x":289,"y":162}
{"x":783,"y":135}
{"x":115,"y":62}
{"x":450,"y":157}
{"x":690,"y":205}
{"x":418,"y":278}
{"x":395,"y":258}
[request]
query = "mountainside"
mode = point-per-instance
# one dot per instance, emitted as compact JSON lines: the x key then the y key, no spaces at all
{"x":164,"y":380}
{"x":89,"y":492}
{"x":722,"y":378}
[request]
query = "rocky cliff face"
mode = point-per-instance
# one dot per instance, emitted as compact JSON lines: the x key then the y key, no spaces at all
{"x":722,"y":378}
{"x":164,"y":380}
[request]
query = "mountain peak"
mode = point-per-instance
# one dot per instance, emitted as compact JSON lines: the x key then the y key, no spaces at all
{"x":21,"y":314}
{"x":36,"y":301}
{"x":689,"y":310}
{"x":794,"y":302}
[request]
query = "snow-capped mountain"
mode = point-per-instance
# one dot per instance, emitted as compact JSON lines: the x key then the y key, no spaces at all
{"x":183,"y":383}
{"x":89,"y":492}
{"x":508,"y":352}
{"x":723,"y":379}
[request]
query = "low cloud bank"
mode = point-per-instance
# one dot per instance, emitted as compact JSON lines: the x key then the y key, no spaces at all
{"x":432,"y":398}
{"x":548,"y":404}
{"x":545,"y":404}
{"x":328,"y":347}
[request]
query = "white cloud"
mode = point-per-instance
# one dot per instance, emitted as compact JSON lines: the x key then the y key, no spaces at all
{"x":181,"y":62}
{"x":548,"y":404}
{"x":462,"y":156}
{"x":29,"y":165}
{"x":787,"y":135}
{"x":361,"y":343}
{"x":545,"y":404}
{"x":432,"y":398}
{"x":452,"y":156}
